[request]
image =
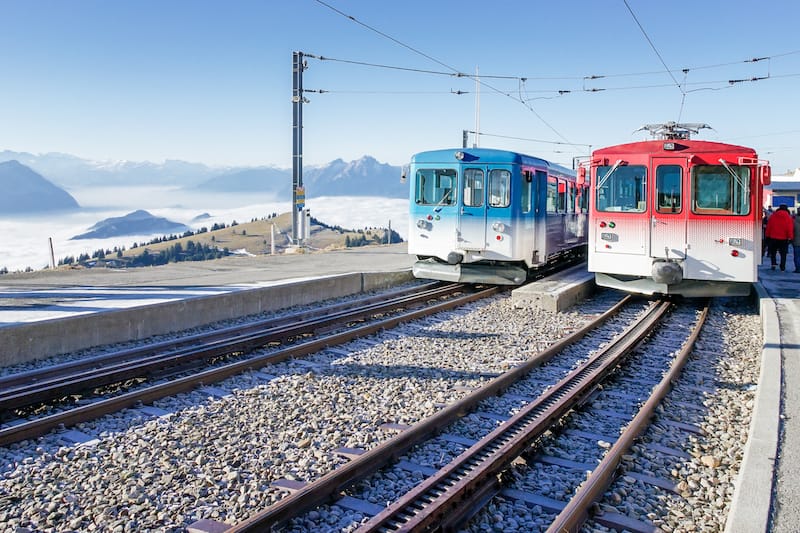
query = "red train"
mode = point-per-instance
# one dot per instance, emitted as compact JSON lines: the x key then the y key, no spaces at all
{"x":676,"y":215}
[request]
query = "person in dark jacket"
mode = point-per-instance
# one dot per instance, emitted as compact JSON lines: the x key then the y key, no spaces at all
{"x":796,"y":242}
{"x":780,"y":232}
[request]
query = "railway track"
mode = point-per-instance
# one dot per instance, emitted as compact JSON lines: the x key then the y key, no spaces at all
{"x":296,"y":335}
{"x":231,"y":451}
{"x":451,"y":495}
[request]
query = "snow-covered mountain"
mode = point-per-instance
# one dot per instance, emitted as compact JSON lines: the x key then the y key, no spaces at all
{"x":363,"y":177}
{"x":70,"y":171}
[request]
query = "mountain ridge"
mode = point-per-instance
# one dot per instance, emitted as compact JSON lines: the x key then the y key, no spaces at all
{"x":361,"y":177}
{"x":27,"y":191}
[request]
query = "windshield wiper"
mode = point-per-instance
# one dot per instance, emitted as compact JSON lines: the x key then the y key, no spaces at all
{"x":736,"y":176}
{"x":608,"y":174}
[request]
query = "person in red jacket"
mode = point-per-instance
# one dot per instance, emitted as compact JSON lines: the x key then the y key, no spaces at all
{"x":780,"y":232}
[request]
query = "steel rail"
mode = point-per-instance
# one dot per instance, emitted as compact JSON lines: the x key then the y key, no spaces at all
{"x":40,"y":375}
{"x":154,"y":363}
{"x":576,"y":512}
{"x":329,"y":486}
{"x":446,"y":491}
{"x":41,"y":426}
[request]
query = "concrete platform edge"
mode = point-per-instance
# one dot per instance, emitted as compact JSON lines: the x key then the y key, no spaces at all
{"x":37,"y":340}
{"x":751,"y":505}
{"x":557,"y":292}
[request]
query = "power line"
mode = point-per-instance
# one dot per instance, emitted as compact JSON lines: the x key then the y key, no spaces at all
{"x":416,"y":51}
{"x":563,"y":92}
{"x":653,"y":46}
{"x":588,"y":77}
{"x":525,"y":139}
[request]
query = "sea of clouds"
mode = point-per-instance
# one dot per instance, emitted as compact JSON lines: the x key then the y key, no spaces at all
{"x":25,"y":241}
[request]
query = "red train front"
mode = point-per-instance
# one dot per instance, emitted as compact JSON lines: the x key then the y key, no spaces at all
{"x":675,"y":215}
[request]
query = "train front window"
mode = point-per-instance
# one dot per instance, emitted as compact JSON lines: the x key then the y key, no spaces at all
{"x":669,"y":188}
{"x":473,"y":187}
{"x":435,"y":186}
{"x":621,"y":188}
{"x":717,"y":190}
{"x":499,"y":187}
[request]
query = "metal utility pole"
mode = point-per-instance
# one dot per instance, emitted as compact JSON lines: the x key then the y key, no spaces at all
{"x":298,"y":191}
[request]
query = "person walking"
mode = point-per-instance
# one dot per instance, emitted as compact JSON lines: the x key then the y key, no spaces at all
{"x":780,"y":231}
{"x":764,"y":240}
{"x":796,"y":242}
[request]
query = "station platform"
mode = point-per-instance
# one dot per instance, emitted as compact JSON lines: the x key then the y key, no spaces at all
{"x":45,"y":312}
{"x":768,"y":487}
{"x":49,"y":294}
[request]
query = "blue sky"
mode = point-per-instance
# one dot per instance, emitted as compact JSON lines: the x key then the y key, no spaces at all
{"x":210,"y":81}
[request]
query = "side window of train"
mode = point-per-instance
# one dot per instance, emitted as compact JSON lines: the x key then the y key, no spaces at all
{"x":669,"y":188}
{"x":562,"y":196}
{"x":621,"y":188}
{"x":435,"y":186}
{"x":473,"y":187}
{"x":526,"y":185}
{"x":552,"y":194}
{"x":499,"y":187}
{"x":583,"y":199}
{"x":718,"y":191}
{"x":571,"y":205}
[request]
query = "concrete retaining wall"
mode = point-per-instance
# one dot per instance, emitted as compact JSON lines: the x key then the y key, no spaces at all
{"x":37,"y":340}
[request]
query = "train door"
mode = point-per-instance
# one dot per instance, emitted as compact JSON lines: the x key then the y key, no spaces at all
{"x":503,"y":231}
{"x":571,"y":227}
{"x":471,"y":222}
{"x":556,"y":204}
{"x":669,"y":214}
{"x":541,"y":203}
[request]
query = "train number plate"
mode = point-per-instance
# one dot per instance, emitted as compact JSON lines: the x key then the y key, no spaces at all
{"x":610,"y":237}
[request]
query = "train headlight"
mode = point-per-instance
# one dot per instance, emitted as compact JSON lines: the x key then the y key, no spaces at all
{"x":499,"y":227}
{"x":602,"y":224}
{"x":612,"y":225}
{"x":735,"y":253}
{"x":429,"y":217}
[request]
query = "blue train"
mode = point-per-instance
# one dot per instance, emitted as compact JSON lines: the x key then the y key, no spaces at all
{"x":492,"y":216}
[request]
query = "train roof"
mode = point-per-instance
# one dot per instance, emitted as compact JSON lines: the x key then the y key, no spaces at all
{"x":656,"y":147}
{"x":486,"y":155}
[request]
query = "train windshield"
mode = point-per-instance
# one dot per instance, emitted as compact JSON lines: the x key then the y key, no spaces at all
{"x":721,"y":190}
{"x":621,"y":188}
{"x":435,"y":186}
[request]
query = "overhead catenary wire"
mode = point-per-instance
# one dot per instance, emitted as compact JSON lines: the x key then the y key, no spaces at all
{"x":453,"y":69}
{"x":683,"y":87}
{"x":588,"y":77}
{"x":658,"y":54}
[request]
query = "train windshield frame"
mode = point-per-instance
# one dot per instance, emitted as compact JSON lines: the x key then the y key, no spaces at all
{"x":435,"y":186}
{"x":473,"y":187}
{"x":621,"y":188}
{"x":721,"y":190}
{"x":669,"y":188}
